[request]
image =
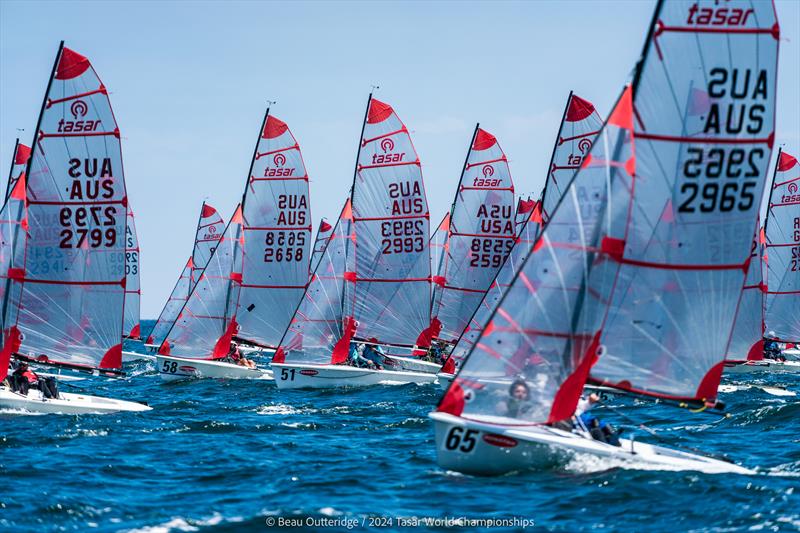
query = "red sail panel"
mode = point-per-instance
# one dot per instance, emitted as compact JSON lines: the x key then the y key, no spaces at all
{"x":391,"y":287}
{"x":572,"y":149}
{"x":544,"y":329}
{"x":320,"y":242}
{"x":747,"y":340}
{"x":704,"y":106}
{"x":209,"y":230}
{"x":18,"y":164}
{"x":74,"y":277}
{"x":783,"y":251}
{"x":133,"y":294}
{"x":438,"y":246}
{"x":13,"y":234}
{"x":481,"y":235}
{"x":579,"y":126}
{"x":206,"y":324}
{"x":277,"y":229}
{"x":316,"y":327}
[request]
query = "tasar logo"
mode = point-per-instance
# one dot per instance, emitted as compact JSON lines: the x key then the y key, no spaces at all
{"x":278,"y":172}
{"x":584,"y":145}
{"x":78,"y":108}
{"x":792,"y":188}
{"x":486,"y":180}
{"x":212,"y":229}
{"x":488,"y":171}
{"x":387,"y":145}
{"x":792,"y":197}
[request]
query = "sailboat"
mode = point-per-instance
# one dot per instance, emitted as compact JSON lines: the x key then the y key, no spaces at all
{"x":257,"y":273}
{"x":579,"y":126}
{"x":481,"y":233}
{"x":209,"y":230}
{"x":384,"y":298}
{"x":65,"y":280}
{"x":636,"y":291}
{"x":782,"y":229}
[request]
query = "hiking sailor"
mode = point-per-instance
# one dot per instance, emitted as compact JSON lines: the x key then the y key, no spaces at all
{"x":23,"y":377}
{"x":518,"y":402}
{"x":599,"y":430}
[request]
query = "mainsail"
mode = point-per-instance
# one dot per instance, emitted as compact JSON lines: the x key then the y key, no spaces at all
{"x":783,"y":245}
{"x":320,"y":242}
{"x":277,"y":225}
{"x":388,"y":293}
{"x":133,"y":294}
{"x":207,"y":323}
{"x":315,"y":334}
{"x":18,"y":164}
{"x":747,"y":340}
{"x":572,"y":150}
{"x":649,"y":275}
{"x":73,"y":279}
{"x":480,"y":236}
{"x":579,"y":126}
{"x":209,"y":230}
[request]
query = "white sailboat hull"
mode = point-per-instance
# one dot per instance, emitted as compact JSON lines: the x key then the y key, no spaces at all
{"x":487,"y":449}
{"x":67,"y":404}
{"x":310,"y":376}
{"x":177,"y":368}
{"x":793,"y":354}
{"x":765,"y":365}
{"x":414,"y":364}
{"x":128,"y":357}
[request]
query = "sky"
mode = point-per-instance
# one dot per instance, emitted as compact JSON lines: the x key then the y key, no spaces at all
{"x":189,"y":83}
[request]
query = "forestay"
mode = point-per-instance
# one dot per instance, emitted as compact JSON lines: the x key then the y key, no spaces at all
{"x":783,"y":245}
{"x":316,"y":333}
{"x":747,"y":340}
{"x":133,"y":294}
{"x":207,"y":323}
{"x":277,"y":225}
{"x":209,"y":230}
{"x":73,"y":280}
{"x":704,"y":103}
{"x":320,"y":242}
{"x":388,"y":293}
{"x":572,"y":150}
{"x":18,"y":164}
{"x":546,"y":326}
{"x":480,"y":237}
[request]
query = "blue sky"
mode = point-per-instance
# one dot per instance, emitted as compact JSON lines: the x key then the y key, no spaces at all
{"x":189,"y":82}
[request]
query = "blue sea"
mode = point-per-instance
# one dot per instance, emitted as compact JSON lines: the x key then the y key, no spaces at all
{"x":243,"y":456}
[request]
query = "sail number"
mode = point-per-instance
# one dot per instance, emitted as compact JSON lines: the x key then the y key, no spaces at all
{"x":284,"y":246}
{"x":287,"y":373}
{"x":77,"y":233}
{"x":489,"y":252}
{"x":131,"y":263}
{"x":739,"y":170}
{"x":461,"y":439}
{"x":169,"y":367}
{"x":402,"y":236}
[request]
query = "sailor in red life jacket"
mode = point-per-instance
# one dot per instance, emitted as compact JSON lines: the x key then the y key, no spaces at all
{"x":23,"y":377}
{"x":236,"y":357}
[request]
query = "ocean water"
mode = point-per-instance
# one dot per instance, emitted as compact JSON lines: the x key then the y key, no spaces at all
{"x":240,"y":455}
